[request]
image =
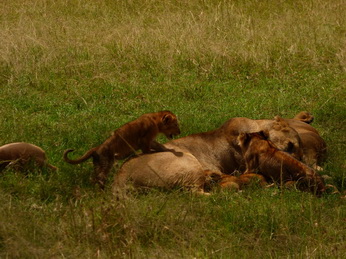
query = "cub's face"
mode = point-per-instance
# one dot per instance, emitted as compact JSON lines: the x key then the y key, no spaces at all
{"x":245,"y":139}
{"x":170,"y":125}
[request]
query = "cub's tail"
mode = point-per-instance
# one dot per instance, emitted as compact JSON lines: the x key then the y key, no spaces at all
{"x":83,"y":158}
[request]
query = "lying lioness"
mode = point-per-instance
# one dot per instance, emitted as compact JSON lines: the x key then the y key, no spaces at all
{"x":185,"y":172}
{"x":261,"y":156}
{"x":134,"y":135}
{"x":20,"y":154}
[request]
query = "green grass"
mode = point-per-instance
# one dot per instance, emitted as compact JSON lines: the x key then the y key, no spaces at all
{"x":73,"y":71}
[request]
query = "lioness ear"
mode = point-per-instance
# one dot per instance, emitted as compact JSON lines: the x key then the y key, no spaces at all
{"x":167,"y":118}
{"x":278,"y":118}
{"x":280,"y":122}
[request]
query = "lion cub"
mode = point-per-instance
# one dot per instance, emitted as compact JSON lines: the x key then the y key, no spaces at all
{"x":134,"y":135}
{"x":20,"y":154}
{"x":263,"y":157}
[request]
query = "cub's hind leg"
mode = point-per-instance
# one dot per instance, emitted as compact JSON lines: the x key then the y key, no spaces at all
{"x":102,"y":167}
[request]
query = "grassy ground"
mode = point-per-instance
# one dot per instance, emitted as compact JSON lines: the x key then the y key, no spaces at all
{"x":73,"y":71}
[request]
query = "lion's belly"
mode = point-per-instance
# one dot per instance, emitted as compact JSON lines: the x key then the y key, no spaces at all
{"x":162,"y":169}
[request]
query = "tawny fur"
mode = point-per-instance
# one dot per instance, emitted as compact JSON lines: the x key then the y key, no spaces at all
{"x":226,"y":181}
{"x":135,"y":135}
{"x":185,"y":172}
{"x":218,"y":150}
{"x":247,"y":179}
{"x":304,"y":117}
{"x":21,"y":154}
{"x":261,"y":156}
{"x":314,"y":148}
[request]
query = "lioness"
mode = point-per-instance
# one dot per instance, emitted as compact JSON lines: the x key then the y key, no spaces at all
{"x":134,"y":135}
{"x":184,"y":172}
{"x":261,"y":156}
{"x":20,"y":154}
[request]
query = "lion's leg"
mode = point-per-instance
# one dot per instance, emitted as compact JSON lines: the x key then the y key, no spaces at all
{"x":247,"y":179}
{"x":317,"y":168}
{"x":3,"y":165}
{"x":249,"y":171}
{"x":42,"y":163}
{"x":252,"y":164}
{"x":154,"y":146}
{"x":312,"y":183}
{"x":102,"y":167}
{"x":230,"y":182}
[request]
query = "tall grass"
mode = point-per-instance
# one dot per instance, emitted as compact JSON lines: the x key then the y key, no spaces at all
{"x":129,"y":39}
{"x":73,"y":71}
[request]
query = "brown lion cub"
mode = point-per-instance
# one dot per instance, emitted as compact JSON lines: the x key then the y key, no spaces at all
{"x":262,"y":156}
{"x":134,"y":135}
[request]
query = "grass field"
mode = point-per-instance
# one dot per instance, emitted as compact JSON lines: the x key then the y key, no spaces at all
{"x":73,"y":71}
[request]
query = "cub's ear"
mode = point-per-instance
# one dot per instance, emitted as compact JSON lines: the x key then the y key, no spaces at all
{"x":264,"y":134}
{"x":167,"y":118}
{"x":278,"y":118}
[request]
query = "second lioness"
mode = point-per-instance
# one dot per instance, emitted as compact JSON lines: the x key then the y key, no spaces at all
{"x":134,"y":135}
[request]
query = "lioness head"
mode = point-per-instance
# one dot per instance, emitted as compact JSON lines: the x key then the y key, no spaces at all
{"x":169,"y":124}
{"x":285,"y":138}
